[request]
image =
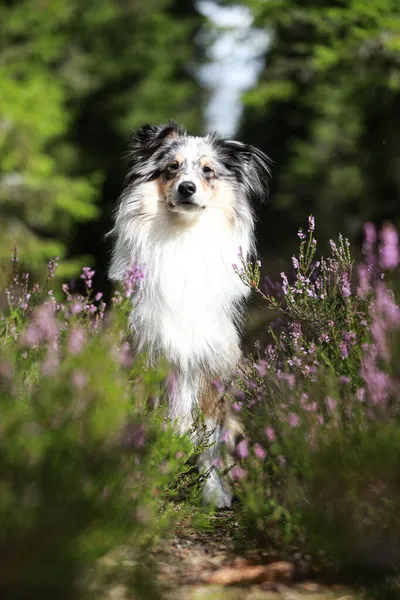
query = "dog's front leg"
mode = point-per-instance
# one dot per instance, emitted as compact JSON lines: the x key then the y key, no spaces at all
{"x":217,"y":423}
{"x":215,"y":491}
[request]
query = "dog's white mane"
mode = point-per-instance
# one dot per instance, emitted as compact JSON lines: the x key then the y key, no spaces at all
{"x":190,"y":296}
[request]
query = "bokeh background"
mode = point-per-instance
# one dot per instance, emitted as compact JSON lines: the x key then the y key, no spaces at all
{"x":314,"y":83}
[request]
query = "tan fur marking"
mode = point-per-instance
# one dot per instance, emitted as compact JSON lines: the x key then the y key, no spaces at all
{"x":224,"y":198}
{"x":164,"y":186}
{"x":214,"y":406}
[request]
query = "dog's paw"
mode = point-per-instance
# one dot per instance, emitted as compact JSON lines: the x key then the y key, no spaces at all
{"x":215,"y":494}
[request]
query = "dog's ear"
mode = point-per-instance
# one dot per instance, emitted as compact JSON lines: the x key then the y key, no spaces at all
{"x":251,"y":166}
{"x":149,"y":138}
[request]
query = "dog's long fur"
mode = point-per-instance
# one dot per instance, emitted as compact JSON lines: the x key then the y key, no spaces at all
{"x":186,"y":241}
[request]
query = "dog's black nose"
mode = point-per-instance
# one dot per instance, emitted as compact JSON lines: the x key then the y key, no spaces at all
{"x":187,"y":189}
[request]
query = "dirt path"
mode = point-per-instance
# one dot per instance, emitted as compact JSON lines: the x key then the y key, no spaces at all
{"x":194,"y":558}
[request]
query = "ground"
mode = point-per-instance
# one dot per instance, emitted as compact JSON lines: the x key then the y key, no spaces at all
{"x":194,"y":558}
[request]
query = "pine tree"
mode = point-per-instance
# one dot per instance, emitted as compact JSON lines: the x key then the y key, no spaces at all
{"x":327,"y":110}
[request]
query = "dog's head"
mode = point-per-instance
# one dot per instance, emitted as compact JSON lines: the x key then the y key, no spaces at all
{"x":194,"y":174}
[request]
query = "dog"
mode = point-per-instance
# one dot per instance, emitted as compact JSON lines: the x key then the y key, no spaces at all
{"x":186,"y":213}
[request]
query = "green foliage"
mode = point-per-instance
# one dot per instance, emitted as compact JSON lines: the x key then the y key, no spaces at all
{"x":326,"y":109}
{"x":321,"y":408}
{"x":84,"y":464}
{"x":76,"y":78}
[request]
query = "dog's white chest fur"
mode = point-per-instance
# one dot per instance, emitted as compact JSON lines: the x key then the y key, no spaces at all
{"x":188,"y":300}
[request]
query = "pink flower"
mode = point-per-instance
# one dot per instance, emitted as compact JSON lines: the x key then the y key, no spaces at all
{"x":218,"y":386}
{"x":389,"y":255}
{"x":261,"y":368}
{"x":76,"y":340}
{"x":51,"y":364}
{"x":225,"y":437}
{"x":361,"y":394}
{"x":238,"y":473}
{"x":364,"y":281}
{"x":87,"y":276}
{"x":259,"y":451}
{"x":44,"y":326}
{"x":330,"y":403}
{"x":79,"y":379}
{"x":346,"y":291}
{"x":132,"y":276}
{"x":270,"y":433}
{"x":294,"y":420}
{"x":343,"y":350}
{"x":242,"y":449}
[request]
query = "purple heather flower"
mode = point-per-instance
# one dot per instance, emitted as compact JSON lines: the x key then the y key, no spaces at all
{"x":43,"y":327}
{"x":294,"y":420}
{"x":361,"y":394}
{"x":295,"y":262}
{"x":225,"y":437}
{"x":76,"y":340}
{"x":218,"y":386}
{"x":172,"y":382}
{"x":363,"y":281}
{"x":261,"y":368}
{"x":237,"y":406}
{"x":343,"y":350}
{"x":377,"y":382}
{"x":369,"y":233}
{"x":344,"y":379}
{"x":369,"y":241}
{"x":87,"y":276}
{"x":389,"y":255}
{"x":346,"y":291}
{"x":301,"y":235}
{"x":76,"y":307}
{"x":238,"y":473}
{"x":132,"y":276}
{"x":51,"y":267}
{"x":79,"y":379}
{"x":330,"y":403}
{"x":242,"y":449}
{"x":311,"y":223}
{"x":259,"y":451}
{"x":98,"y":296}
{"x":386,"y":305}
{"x":333,"y":246}
{"x":270,"y":434}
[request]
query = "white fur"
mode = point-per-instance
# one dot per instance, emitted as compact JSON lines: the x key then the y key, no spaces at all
{"x":188,"y":301}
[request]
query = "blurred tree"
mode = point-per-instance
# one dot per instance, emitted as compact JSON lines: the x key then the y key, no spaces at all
{"x":326,"y":108}
{"x":76,"y":78}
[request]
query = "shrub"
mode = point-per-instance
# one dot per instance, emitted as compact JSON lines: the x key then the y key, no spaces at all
{"x":84,"y":465}
{"x":321,"y":406}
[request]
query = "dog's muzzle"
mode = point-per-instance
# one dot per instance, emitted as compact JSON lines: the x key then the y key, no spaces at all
{"x":186,"y":196}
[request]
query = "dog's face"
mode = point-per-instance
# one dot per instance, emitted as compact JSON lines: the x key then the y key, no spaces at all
{"x":194,"y":174}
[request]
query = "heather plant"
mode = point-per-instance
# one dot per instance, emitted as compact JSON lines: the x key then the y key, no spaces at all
{"x":84,"y":463}
{"x":320,"y":404}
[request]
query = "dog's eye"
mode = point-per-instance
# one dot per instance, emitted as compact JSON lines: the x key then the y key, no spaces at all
{"x":173,"y":166}
{"x":207,"y":170}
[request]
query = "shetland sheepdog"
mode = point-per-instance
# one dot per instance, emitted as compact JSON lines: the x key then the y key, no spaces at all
{"x":186,"y":212}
